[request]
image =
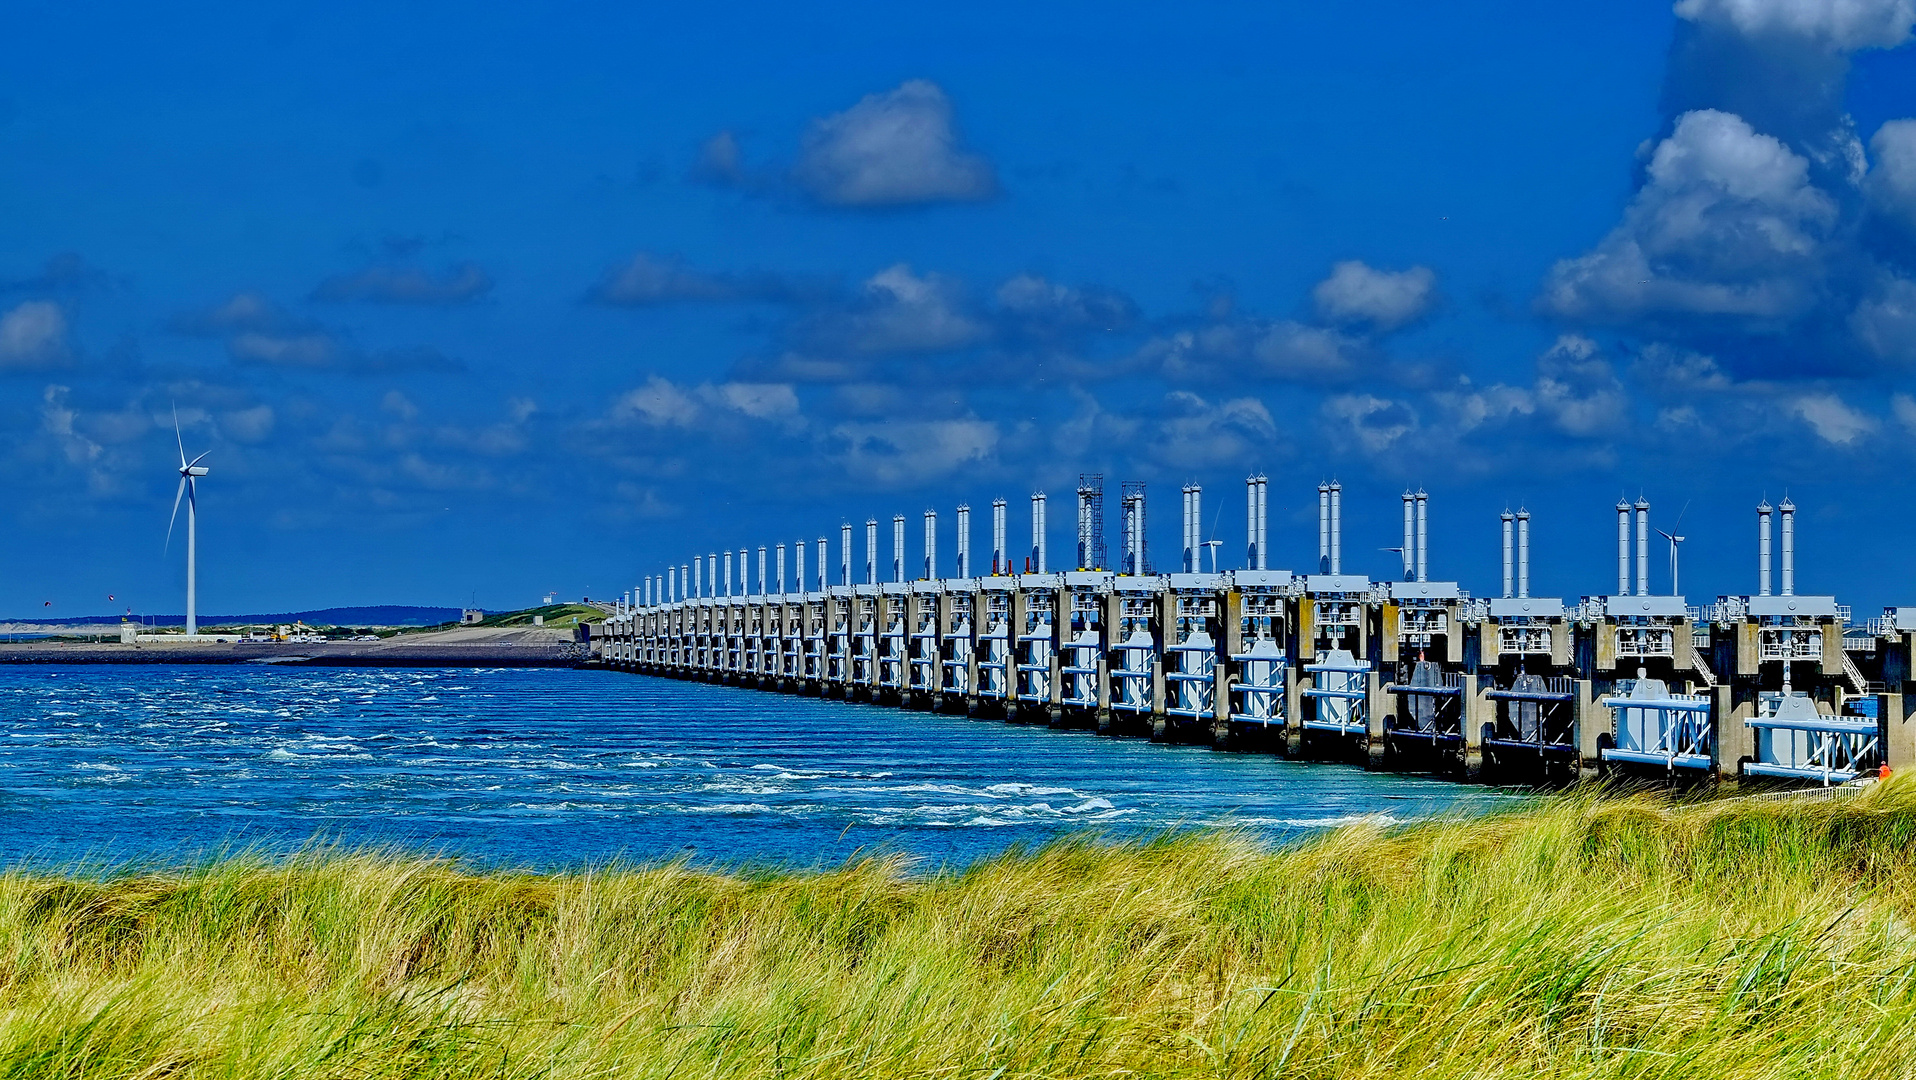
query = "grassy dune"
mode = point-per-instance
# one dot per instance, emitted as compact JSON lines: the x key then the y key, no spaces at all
{"x":1583,"y":938}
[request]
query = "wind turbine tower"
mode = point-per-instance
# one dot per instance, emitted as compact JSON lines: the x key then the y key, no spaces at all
{"x":189,"y":472}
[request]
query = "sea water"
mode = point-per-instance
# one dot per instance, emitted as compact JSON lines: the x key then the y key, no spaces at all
{"x":560,"y":768}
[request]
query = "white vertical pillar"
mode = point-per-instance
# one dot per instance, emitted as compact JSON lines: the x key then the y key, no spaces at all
{"x":845,"y":553}
{"x":1037,"y":532}
{"x":871,"y":551}
{"x":964,"y":541}
{"x":728,"y":573}
{"x":1254,"y":523}
{"x":1337,"y":527}
{"x":931,"y":545}
{"x":1084,"y":528}
{"x":779,"y":562}
{"x":1263,"y":522}
{"x":798,"y":564}
{"x":1643,"y":546}
{"x":898,"y":547}
{"x":711,"y":572}
{"x":1510,"y":555}
{"x":1423,"y":536}
{"x":1788,"y":512}
{"x":1523,"y":552}
{"x":1623,"y":548}
{"x":1187,"y":543}
{"x":821,"y":564}
{"x":698,"y":582}
{"x":1763,"y":559}
{"x":1000,"y":552}
{"x":1323,"y":528}
{"x":1410,"y":536}
{"x":764,"y":583}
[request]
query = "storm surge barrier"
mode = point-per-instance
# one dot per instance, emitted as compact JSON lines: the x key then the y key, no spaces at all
{"x":1412,"y":673}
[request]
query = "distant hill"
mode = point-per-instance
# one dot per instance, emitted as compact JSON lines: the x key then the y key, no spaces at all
{"x":378,"y":615}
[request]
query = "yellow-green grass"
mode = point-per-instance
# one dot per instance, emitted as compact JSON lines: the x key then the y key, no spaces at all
{"x":1580,"y":937}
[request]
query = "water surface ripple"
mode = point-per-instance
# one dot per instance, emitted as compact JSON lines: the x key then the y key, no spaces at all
{"x":556,"y":768}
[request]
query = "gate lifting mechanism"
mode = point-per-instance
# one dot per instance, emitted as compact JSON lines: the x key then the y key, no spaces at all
{"x":1656,"y":727}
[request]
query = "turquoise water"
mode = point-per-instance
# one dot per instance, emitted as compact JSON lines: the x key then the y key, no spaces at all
{"x":555,"y":768}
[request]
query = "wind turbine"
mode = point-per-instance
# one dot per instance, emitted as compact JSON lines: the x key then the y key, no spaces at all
{"x":189,"y":471}
{"x":1674,"y":541}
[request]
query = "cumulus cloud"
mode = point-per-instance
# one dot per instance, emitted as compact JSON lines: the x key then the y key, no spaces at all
{"x":1358,"y":293}
{"x":1279,"y":348}
{"x":897,"y":311}
{"x":1578,"y":389}
{"x":663,"y":403}
{"x":1892,"y":182}
{"x":649,"y":280}
{"x":243,"y":311}
{"x":1885,"y":321}
{"x":906,"y":452}
{"x":1195,"y":433}
{"x":260,"y":332}
{"x":32,"y":335}
{"x":1035,"y":305}
{"x":1838,"y":25}
{"x":1833,"y":420}
{"x":895,"y":148}
{"x":1378,"y":424}
{"x":408,"y":285}
{"x":1728,"y":224}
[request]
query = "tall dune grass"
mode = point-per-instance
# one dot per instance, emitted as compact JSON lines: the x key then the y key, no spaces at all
{"x":1584,"y":937}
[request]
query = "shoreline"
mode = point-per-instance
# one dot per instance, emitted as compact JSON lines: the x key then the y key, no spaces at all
{"x":502,"y":650}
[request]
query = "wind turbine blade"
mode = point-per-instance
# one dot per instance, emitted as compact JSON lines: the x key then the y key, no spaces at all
{"x":197,"y":460}
{"x":177,"y":495}
{"x":177,"y":437}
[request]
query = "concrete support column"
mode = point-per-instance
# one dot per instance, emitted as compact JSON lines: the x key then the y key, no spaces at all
{"x":1734,"y":740}
{"x":1592,"y":720}
{"x":1476,"y":708}
{"x":1899,"y":729}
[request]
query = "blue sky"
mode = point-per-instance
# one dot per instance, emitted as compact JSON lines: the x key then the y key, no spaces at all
{"x":470,"y":303}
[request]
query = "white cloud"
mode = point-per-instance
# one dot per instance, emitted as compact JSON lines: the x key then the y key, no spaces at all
{"x":662,"y":403}
{"x":1839,"y":25}
{"x":1904,"y":408}
{"x":1728,"y":224}
{"x":1038,"y":304}
{"x":1885,"y":321}
{"x":1579,"y":389}
{"x":292,"y":350}
{"x":33,"y":334}
{"x":1386,"y":299}
{"x":899,"y":312}
{"x":1892,"y":183}
{"x":1832,"y":419}
{"x":1197,"y":433}
{"x":247,"y":425}
{"x":892,"y":149}
{"x":903,"y":453}
{"x":1278,"y":348}
{"x":658,"y":403}
{"x":761,"y":401}
{"x":1376,"y":423}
